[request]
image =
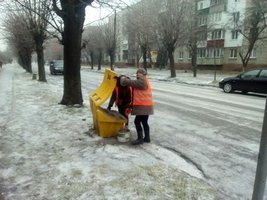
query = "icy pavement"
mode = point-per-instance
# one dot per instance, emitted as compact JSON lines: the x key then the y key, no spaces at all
{"x":204,"y":77}
{"x":49,"y":152}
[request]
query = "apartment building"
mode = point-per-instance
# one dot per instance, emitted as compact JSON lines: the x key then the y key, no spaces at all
{"x":219,"y":39}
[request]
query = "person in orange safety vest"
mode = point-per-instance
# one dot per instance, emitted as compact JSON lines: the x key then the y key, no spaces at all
{"x":143,"y":104}
{"x":122,"y":97}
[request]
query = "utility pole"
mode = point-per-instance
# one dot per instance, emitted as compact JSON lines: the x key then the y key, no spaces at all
{"x":261,"y":173}
{"x":114,"y":41}
{"x":193,"y":42}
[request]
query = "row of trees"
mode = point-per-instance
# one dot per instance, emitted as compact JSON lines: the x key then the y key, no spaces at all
{"x":5,"y":56}
{"x":140,"y":23}
{"x":29,"y":23}
{"x":171,"y":24}
{"x":165,"y":23}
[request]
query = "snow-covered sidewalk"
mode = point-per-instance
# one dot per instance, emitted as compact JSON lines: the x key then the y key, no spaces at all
{"x":49,"y":151}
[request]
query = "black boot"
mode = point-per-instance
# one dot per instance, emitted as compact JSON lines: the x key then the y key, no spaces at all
{"x":139,"y":139}
{"x":147,"y":136}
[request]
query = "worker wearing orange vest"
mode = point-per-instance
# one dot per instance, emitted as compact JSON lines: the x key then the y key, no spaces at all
{"x":143,"y":105}
{"x":122,"y":97}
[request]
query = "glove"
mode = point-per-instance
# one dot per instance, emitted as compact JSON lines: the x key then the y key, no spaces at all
{"x":128,"y":111}
{"x":123,"y":81}
{"x":109,"y":107}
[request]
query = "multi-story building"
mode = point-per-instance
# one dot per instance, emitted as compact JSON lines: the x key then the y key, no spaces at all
{"x":219,"y":38}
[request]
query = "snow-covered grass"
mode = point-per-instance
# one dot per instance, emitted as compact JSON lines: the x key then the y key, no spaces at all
{"x":49,"y":151}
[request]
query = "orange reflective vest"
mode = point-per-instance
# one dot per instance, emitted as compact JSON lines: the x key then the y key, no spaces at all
{"x":143,"y":97}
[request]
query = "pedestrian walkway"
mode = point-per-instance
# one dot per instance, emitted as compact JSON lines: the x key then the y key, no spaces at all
{"x":47,"y":152}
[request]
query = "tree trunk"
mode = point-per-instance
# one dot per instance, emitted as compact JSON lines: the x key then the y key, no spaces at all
{"x":87,"y":57}
{"x":92,"y":60}
{"x":112,"y":58}
{"x":137,"y":59}
{"x":194,"y":59}
{"x":99,"y":60}
{"x":144,"y":59}
{"x":194,"y":41}
{"x":28,"y":62}
{"x":73,"y":25}
{"x":172,"y":66}
{"x":40,"y":59}
{"x":25,"y":60}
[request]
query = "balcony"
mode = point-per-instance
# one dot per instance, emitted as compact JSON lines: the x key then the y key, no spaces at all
{"x":215,"y":43}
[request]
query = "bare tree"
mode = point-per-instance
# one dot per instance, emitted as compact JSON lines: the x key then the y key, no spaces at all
{"x":72,"y":12}
{"x":141,"y":25}
{"x":19,"y":39}
{"x":109,"y":39}
{"x":53,"y":50}
{"x":253,"y":28}
{"x":93,"y":40}
{"x":171,"y":28}
{"x":6,"y":56}
{"x":37,"y":14}
{"x":193,"y":32}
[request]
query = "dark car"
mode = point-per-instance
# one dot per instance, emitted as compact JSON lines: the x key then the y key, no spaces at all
{"x":57,"y":67}
{"x":250,"y":81}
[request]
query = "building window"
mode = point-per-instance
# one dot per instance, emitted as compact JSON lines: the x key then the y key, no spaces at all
{"x":253,"y":53}
{"x":125,"y":54}
{"x":217,"y":34}
{"x":218,"y":16}
{"x":201,"y":5}
{"x":215,"y":17}
{"x":234,"y":34}
{"x":181,"y":55}
{"x":202,"y":20}
{"x":214,"y":53}
{"x":201,"y":53}
{"x":190,"y":54}
{"x":233,"y":53}
{"x":236,"y":16}
{"x":202,"y":36}
{"x":217,"y":53}
{"x":214,"y":2}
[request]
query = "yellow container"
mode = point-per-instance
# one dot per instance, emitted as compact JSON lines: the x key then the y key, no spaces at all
{"x":109,"y":122}
{"x":102,"y":93}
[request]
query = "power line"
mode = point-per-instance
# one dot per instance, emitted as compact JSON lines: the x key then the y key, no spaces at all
{"x":100,"y":19}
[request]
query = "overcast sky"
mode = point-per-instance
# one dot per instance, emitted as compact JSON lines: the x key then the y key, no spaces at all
{"x":93,"y":14}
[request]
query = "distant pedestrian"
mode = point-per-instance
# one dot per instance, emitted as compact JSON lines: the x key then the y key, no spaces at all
{"x":122,"y":97}
{"x":143,"y":105}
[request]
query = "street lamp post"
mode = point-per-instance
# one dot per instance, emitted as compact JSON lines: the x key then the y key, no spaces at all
{"x":261,"y":173}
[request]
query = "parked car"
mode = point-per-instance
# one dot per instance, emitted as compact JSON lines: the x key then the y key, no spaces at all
{"x":57,"y":67}
{"x":250,"y":81}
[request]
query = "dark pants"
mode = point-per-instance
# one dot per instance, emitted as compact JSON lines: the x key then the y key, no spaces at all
{"x":122,"y":111}
{"x":139,"y":121}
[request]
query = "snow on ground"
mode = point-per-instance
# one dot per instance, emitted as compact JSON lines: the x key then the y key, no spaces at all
{"x":50,"y":152}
